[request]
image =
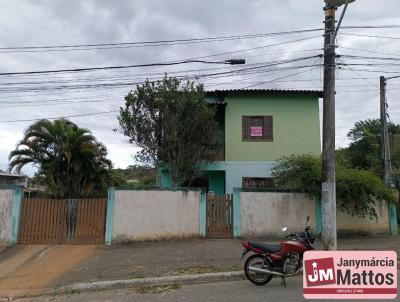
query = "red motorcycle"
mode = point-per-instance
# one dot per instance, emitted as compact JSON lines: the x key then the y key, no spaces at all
{"x":279,"y":260}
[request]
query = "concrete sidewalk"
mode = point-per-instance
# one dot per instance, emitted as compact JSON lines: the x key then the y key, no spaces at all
{"x":154,"y":259}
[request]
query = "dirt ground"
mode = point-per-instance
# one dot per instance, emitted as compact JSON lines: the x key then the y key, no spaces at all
{"x":31,"y":269}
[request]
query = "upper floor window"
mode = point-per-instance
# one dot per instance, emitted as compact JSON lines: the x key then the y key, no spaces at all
{"x":257,"y":128}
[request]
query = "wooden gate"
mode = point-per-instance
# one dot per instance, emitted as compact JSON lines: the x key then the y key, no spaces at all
{"x":219,"y":216}
{"x":62,"y":221}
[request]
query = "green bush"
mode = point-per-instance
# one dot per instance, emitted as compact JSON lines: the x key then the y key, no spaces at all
{"x":357,"y":191}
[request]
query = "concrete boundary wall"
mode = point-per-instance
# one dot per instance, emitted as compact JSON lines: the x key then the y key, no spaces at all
{"x":135,"y":215}
{"x":350,"y":224}
{"x":264,"y":213}
{"x":10,"y":204}
{"x":152,"y":214}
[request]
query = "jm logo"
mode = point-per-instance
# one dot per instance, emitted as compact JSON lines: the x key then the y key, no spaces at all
{"x":320,"y":275}
{"x":320,"y":271}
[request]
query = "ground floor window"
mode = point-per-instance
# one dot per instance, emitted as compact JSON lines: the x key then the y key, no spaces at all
{"x":257,"y":182}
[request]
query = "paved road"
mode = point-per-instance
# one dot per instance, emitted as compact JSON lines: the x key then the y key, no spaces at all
{"x":216,"y":292}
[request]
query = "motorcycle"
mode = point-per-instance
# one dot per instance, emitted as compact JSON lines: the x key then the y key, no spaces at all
{"x":277,"y":260}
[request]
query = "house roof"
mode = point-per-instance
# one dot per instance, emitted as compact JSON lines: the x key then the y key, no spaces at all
{"x":5,"y":174}
{"x":224,"y":92}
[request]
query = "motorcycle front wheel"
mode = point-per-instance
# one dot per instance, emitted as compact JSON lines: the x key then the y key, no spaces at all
{"x":257,"y":278}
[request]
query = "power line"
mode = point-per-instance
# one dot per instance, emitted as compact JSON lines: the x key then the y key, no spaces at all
{"x":369,"y":58}
{"x":369,"y":64}
{"x":371,"y":70}
{"x":136,"y":75}
{"x":74,"y":47}
{"x":367,"y":90}
{"x":57,"y":102}
{"x":371,"y":36}
{"x":370,"y":51}
{"x":387,"y":26}
{"x":99,"y":46}
{"x":104,"y":68}
{"x":197,"y":76}
{"x":59,"y":117}
{"x":255,"y":48}
{"x":126,"y":84}
{"x":60,"y":103}
{"x":280,"y":78}
{"x":185,"y":61}
{"x":362,"y":77}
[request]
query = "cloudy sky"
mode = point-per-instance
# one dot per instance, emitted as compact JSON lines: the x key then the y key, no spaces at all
{"x":26,"y":23}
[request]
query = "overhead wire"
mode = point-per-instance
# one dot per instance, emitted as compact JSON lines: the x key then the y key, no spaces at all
{"x":91,"y":46}
{"x":100,"y":46}
{"x":370,"y":36}
{"x":370,"y":51}
{"x":168,"y":63}
{"x":102,"y":81}
{"x":59,"y":117}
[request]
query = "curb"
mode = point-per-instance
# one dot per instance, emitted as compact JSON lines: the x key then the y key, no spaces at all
{"x":153,"y":281}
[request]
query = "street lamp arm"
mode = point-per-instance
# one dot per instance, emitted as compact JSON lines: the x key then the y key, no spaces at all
{"x":395,"y":77}
{"x":340,"y":22}
{"x":229,"y":61}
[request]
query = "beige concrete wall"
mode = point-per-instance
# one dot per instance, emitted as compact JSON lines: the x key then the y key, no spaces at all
{"x":147,"y":215}
{"x":6,"y":203}
{"x":349,"y":224}
{"x":264,"y":214}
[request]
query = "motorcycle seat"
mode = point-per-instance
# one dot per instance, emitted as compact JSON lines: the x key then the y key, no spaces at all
{"x":269,"y":248}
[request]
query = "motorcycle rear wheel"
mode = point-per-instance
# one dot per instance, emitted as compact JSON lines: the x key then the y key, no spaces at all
{"x":256,"y":278}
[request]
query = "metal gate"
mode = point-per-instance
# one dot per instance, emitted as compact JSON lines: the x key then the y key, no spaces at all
{"x":219,"y":216}
{"x":62,"y":221}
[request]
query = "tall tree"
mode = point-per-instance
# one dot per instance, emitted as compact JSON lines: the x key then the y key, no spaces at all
{"x":364,"y":150}
{"x":69,"y":158}
{"x":173,"y":124}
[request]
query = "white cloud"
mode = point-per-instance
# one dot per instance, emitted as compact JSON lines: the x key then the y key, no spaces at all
{"x":84,"y":22}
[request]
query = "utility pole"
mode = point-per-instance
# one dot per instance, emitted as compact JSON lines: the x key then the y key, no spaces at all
{"x":328,"y":236}
{"x":385,"y":152}
{"x":328,"y":137}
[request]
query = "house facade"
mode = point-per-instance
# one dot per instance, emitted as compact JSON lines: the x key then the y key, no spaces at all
{"x":259,"y":126}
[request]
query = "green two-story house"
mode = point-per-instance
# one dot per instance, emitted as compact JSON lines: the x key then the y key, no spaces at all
{"x":260,"y":126}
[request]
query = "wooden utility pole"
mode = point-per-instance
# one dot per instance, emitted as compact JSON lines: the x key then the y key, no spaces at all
{"x":385,"y":152}
{"x":328,"y":138}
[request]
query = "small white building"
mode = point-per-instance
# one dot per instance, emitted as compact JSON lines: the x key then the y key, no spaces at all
{"x":11,"y":179}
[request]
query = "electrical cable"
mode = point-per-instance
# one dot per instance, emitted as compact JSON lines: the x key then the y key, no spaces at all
{"x":59,"y":117}
{"x":370,"y":36}
{"x":73,"y":47}
{"x":100,"y":46}
{"x":185,"y":61}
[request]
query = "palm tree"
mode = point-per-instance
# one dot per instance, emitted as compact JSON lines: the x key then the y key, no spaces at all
{"x":70,"y":158}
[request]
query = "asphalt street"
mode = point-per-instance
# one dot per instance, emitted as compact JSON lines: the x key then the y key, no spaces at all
{"x":223,"y":291}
